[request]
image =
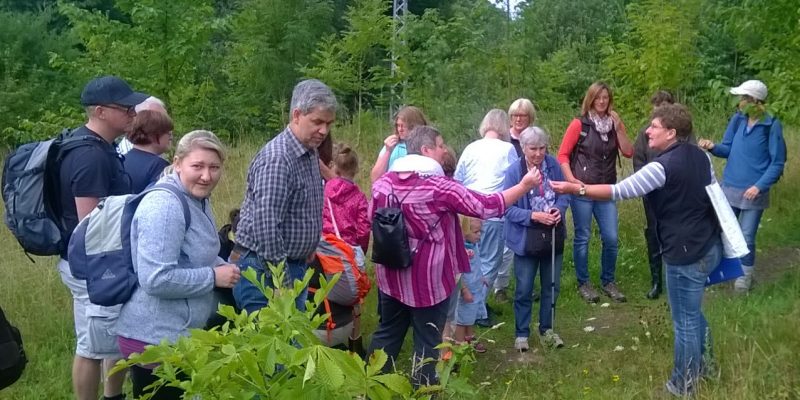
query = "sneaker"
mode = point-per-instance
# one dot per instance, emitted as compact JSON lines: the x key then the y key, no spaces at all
{"x":612,"y":291}
{"x":745,"y":282}
{"x":521,"y":344}
{"x":551,"y":339}
{"x":672,"y":389}
{"x":484,"y":322}
{"x":479,"y":347}
{"x":588,"y":293}
{"x":500,"y":296}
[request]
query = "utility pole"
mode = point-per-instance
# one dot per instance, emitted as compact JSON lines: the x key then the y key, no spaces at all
{"x":399,"y":11}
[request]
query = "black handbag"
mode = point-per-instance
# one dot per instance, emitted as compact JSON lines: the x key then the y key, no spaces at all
{"x":390,"y":246}
{"x":539,"y":239}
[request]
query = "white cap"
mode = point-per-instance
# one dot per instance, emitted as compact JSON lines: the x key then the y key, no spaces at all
{"x":755,"y":89}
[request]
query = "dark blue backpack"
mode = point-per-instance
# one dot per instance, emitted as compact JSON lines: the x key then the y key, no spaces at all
{"x":100,"y":247}
{"x":31,"y":192}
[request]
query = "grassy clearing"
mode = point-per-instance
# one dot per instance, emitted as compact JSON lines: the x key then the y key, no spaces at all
{"x":755,"y":336}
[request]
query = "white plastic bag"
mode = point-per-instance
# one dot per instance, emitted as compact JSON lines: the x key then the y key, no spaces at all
{"x":733,"y":243}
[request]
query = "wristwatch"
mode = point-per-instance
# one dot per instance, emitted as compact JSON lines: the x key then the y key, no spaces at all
{"x":582,"y":190}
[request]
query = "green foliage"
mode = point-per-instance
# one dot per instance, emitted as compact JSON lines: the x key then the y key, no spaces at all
{"x":28,"y":86}
{"x":269,"y":40}
{"x":769,"y":34}
{"x":273,"y":353}
{"x":457,"y":68}
{"x":355,"y":62}
{"x":657,"y":52}
{"x":550,"y":25}
{"x":164,"y":49}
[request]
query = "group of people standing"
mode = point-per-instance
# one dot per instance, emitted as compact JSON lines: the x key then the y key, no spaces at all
{"x":513,"y":196}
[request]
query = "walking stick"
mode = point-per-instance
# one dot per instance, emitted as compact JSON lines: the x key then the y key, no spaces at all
{"x":553,"y":278}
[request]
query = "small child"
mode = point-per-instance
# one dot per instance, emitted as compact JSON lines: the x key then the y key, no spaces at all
{"x":344,"y":212}
{"x":472,"y":299}
{"x":227,"y":235}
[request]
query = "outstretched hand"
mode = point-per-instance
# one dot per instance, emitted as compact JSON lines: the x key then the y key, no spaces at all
{"x":564,"y":187}
{"x":705,"y":144}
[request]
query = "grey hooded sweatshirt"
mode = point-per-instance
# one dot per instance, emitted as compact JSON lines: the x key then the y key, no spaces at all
{"x":174,"y":265}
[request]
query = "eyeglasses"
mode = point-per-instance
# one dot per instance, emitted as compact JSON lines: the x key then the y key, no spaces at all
{"x":131,"y":111}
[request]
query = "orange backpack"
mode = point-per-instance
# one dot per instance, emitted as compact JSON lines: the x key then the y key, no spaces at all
{"x":336,"y":256}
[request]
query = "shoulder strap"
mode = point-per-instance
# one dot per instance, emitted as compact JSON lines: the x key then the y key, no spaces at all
{"x":69,"y":142}
{"x":187,"y":213}
{"x":333,"y":219}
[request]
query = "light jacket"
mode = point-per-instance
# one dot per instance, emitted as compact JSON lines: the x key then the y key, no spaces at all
{"x":174,"y":266}
{"x":755,"y":158}
{"x":518,"y":215}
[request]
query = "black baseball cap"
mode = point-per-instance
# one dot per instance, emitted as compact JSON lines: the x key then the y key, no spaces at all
{"x":110,"y":90}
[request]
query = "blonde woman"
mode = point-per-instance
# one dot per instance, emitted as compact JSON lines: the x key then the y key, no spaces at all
{"x":394,"y":146}
{"x":523,"y":115}
{"x":177,"y":266}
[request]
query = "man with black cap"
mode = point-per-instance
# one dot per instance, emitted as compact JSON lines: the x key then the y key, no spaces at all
{"x":87,"y":174}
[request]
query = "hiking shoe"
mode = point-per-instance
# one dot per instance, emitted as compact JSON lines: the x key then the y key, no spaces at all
{"x":612,"y":291}
{"x":745,"y":282}
{"x":484,"y":322}
{"x":521,"y":344}
{"x":588,"y":293}
{"x":551,"y":339}
{"x":500,"y":296}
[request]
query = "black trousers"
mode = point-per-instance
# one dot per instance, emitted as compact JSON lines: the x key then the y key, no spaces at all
{"x":651,"y":236}
{"x":143,"y":377}
{"x":427,"y":324}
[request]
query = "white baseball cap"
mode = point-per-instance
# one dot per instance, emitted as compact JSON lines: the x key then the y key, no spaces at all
{"x":753,"y":88}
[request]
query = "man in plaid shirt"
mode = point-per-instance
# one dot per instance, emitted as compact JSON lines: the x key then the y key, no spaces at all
{"x":281,"y":215}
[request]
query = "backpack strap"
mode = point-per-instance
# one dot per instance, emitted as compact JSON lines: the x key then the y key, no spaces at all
{"x":333,"y":218}
{"x":70,"y":142}
{"x":330,"y":325}
{"x":187,"y":213}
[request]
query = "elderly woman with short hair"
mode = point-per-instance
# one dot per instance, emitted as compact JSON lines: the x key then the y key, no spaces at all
{"x":523,"y":115}
{"x":481,"y":168}
{"x":539,"y":212}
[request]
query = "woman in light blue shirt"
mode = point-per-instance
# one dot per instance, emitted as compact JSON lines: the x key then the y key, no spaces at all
{"x":756,"y":151}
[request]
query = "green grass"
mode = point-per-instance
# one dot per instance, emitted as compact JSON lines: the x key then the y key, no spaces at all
{"x":755,"y":336}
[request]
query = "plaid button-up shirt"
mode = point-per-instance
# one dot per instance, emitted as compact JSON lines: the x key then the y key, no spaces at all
{"x":281,"y":215}
{"x":441,"y":254}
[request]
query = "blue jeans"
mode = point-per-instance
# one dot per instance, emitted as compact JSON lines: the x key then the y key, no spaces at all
{"x":605,"y":213}
{"x":748,"y":221}
{"x":247,"y":295}
{"x":685,"y":288}
{"x":490,"y":249}
{"x":525,"y":269}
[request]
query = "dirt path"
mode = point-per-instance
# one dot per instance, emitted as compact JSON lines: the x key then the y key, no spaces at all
{"x":772,"y":265}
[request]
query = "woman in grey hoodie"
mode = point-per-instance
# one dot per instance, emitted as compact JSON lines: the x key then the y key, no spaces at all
{"x":178,"y":267}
